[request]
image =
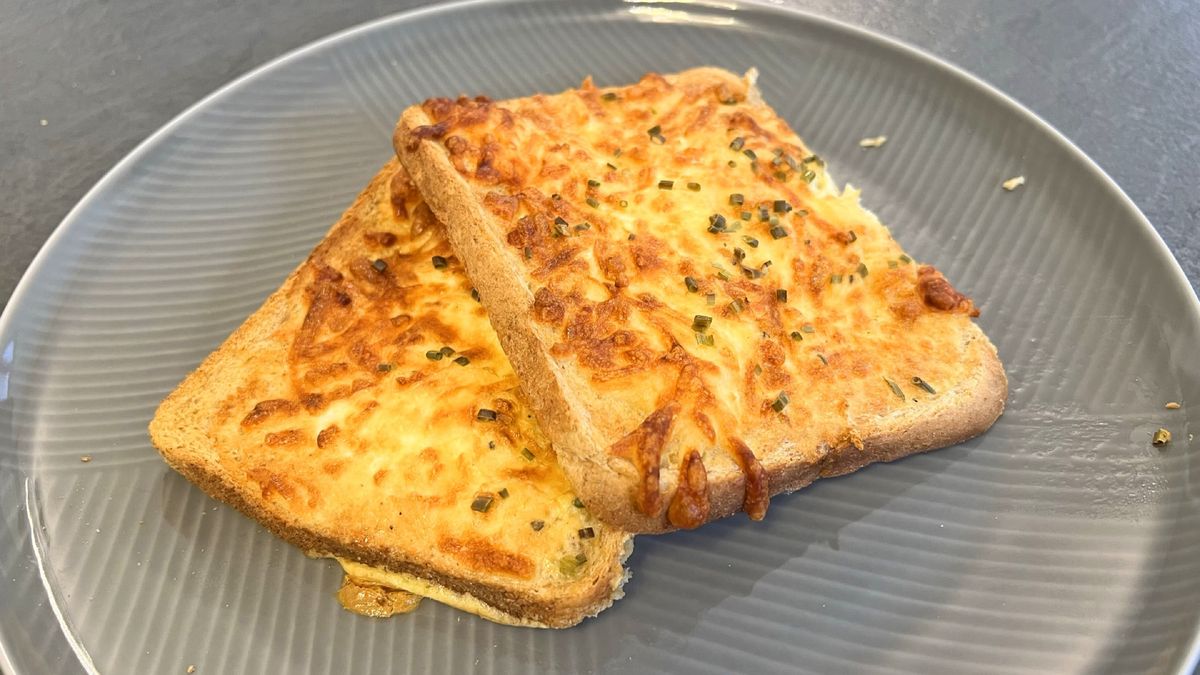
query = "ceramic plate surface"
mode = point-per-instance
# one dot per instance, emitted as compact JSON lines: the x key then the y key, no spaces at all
{"x":1060,"y":541}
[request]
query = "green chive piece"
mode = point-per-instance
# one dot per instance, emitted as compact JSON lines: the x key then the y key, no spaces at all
{"x":617,"y":152}
{"x":809,"y":175}
{"x":580,"y":558}
{"x":738,"y":143}
{"x":923,"y":384}
{"x":705,"y":339}
{"x":763,"y":214}
{"x":892,"y":264}
{"x":822,"y":357}
{"x":862,"y":269}
{"x":694,"y":187}
{"x":808,"y":328}
{"x":591,"y":201}
{"x":736,"y":199}
{"x":749,"y":153}
{"x":778,"y":232}
{"x":583,"y":226}
{"x":654,"y":130}
{"x":791,"y":161}
{"x":631,"y":236}
{"x":780,"y":402}
{"x":491,"y":445}
{"x":773,"y":221}
{"x":503,"y":493}
{"x":835,"y":278}
{"x":624,"y":203}
{"x":527,"y":454}
{"x":447,"y":351}
{"x":528,"y":253}
{"x":556,"y":196}
{"x":462,"y":360}
{"x":750,"y":241}
{"x":592,"y":182}
{"x":560,"y":227}
{"x":537,"y":525}
{"x":691,"y":284}
{"x":383,"y":367}
{"x":895,"y":388}
{"x":701,"y":322}
{"x":711,"y":299}
{"x":757,"y":369}
{"x":781,"y":206}
{"x":587,"y":533}
{"x":736,"y":306}
{"x":577,"y":503}
{"x":732,"y":164}
{"x":813,"y":159}
{"x":439,"y":262}
{"x":850,"y":279}
{"x":723,"y":275}
{"x":607,"y":96}
{"x":797,"y":336}
{"x":433,"y":355}
{"x":738,"y":254}
{"x":853,"y":237}
{"x":379,"y":265}
{"x":475,"y":295}
{"x":716,"y":223}
{"x":482,"y":503}
{"x":666,"y":184}
{"x":485,"y":415}
{"x":746,"y":215}
{"x":905,"y":259}
{"x":781,"y":294}
{"x":781,"y":176}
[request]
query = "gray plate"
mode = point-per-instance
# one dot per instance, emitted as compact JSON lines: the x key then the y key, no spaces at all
{"x":1061,"y":541}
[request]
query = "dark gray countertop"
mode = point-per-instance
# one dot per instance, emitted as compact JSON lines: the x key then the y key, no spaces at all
{"x":82,"y":82}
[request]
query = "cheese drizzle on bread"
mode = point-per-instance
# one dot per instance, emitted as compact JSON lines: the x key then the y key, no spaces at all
{"x":699,"y":316}
{"x":366,"y":412}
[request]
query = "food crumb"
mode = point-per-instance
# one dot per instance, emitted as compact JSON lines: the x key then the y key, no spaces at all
{"x":872,"y":142}
{"x":1013,"y":183}
{"x":44,"y":122}
{"x":1160,"y":438}
{"x":85,"y":459}
{"x":191,"y":669}
{"x":1172,"y":406}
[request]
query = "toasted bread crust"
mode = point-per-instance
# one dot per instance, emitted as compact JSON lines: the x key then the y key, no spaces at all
{"x":179,"y":432}
{"x":959,"y":412}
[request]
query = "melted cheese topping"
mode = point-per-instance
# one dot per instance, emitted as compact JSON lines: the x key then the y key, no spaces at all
{"x":711,"y":294}
{"x":381,"y":411}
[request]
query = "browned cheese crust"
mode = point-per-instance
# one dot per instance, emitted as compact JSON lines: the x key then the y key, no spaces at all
{"x":333,"y":417}
{"x":700,"y":318}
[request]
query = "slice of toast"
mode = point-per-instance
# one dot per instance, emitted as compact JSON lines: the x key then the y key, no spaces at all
{"x":699,"y":316}
{"x":366,"y":412}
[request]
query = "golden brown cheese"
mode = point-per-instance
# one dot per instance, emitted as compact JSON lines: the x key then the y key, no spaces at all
{"x":385,"y":411}
{"x":694,"y":268}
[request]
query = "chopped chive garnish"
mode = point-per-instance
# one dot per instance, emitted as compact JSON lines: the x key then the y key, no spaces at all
{"x":527,"y":454}
{"x":791,"y":161}
{"x":607,"y":96}
{"x":624,"y":203}
{"x":439,"y":262}
{"x":749,"y":153}
{"x":383,"y":367}
{"x":746,"y":215}
{"x":862,"y":269}
{"x":763,"y":214}
{"x":433,"y":355}
{"x":556,"y":196}
{"x":757,"y":369}
{"x":482,"y":503}
{"x":850,"y":279}
{"x":780,"y":402}
{"x":485,"y":415}
{"x":447,"y":351}
{"x":905,"y":259}
{"x":658,"y":140}
{"x":750,"y":241}
{"x":723,"y":275}
{"x":704,"y":339}
{"x":781,"y":206}
{"x":781,"y":294}
{"x":732,"y":164}
{"x":560,"y":227}
{"x":475,"y":295}
{"x":592,"y":182}
{"x":587,"y":533}
{"x":591,"y":201}
{"x":736,"y":199}
{"x":632,"y":236}
{"x":701,"y":322}
{"x":491,"y":445}
{"x":736,"y":306}
{"x":738,"y":143}
{"x":583,"y":226}
{"x":852,"y":237}
{"x":711,"y":299}
{"x":895,"y":388}
{"x":738,"y":254}
{"x":580,"y":558}
{"x":774,"y":221}
{"x":577,"y":503}
{"x":797,"y":336}
{"x":537,"y":525}
{"x":691,"y":284}
{"x":813,"y":159}
{"x":503,"y":493}
{"x":694,"y":187}
{"x":892,"y":264}
{"x":462,"y":360}
{"x":923,"y":384}
{"x":808,"y":328}
{"x":716,"y":223}
{"x":617,"y":152}
{"x":809,"y":175}
{"x":379,"y":265}
{"x":835,"y":279}
{"x":778,"y":232}
{"x":666,"y":184}
{"x":781,"y":176}
{"x":752,"y":272}
{"x":654,"y":130}
{"x":822,"y":357}
{"x":528,"y":253}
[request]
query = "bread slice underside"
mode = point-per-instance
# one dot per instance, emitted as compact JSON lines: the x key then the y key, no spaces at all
{"x":366,"y":412}
{"x":699,"y":316}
